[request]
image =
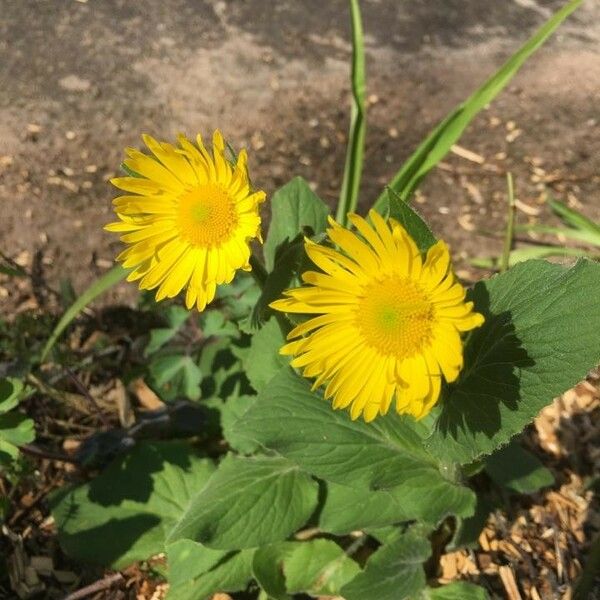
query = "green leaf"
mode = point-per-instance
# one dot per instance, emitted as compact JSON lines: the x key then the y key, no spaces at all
{"x":349,"y":509}
{"x":196,"y":572}
{"x":459,"y":590}
{"x":356,"y":137}
{"x":515,"y":468}
{"x":539,"y":339}
{"x":175,"y":375}
{"x":108,"y":280}
{"x":394,"y":572}
{"x":295,"y":208}
{"x":175,"y":316}
{"x":267,"y":567}
{"x":290,"y":261}
{"x":318,"y":568}
{"x":448,"y":132}
{"x":126,"y":513}
{"x":214,"y":323}
{"x":263,"y":361}
{"x":233,"y":411}
{"x":412,"y":221}
{"x":16,"y":429}
{"x":10,"y":392}
{"x":387,"y":453}
{"x":229,"y":513}
{"x":468,"y":530}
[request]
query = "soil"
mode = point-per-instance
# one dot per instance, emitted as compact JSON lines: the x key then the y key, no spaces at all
{"x":80,"y":80}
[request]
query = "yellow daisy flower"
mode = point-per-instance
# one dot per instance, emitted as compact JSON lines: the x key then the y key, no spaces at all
{"x":388,"y":324}
{"x":187,"y":219}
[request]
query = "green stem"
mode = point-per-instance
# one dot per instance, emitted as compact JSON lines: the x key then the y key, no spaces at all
{"x":356,"y":138}
{"x":510,"y":225}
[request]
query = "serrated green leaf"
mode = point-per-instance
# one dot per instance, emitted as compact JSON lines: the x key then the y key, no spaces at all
{"x":387,"y":453}
{"x":448,"y":132}
{"x":515,"y":468}
{"x":196,"y":572}
{"x":411,"y":220}
{"x":125,"y":513}
{"x":10,"y":391}
{"x":263,"y":361}
{"x":233,"y":411}
{"x":538,"y":340}
{"x":295,"y":207}
{"x":458,"y":590}
{"x":430,"y":500}
{"x":215,"y":324}
{"x":229,"y":513}
{"x":175,"y":375}
{"x":394,"y":572}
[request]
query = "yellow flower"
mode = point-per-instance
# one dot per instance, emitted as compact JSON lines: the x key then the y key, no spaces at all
{"x":388,"y":324}
{"x":188,"y":220}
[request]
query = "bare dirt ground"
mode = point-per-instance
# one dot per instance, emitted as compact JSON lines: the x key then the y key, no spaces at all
{"x":81,"y":79}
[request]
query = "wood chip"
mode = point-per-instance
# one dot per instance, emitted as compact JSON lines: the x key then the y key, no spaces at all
{"x":508,"y":581}
{"x":467,"y":154}
{"x":146,"y":397}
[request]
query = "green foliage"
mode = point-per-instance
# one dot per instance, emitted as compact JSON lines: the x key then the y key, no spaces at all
{"x":459,"y":590}
{"x":515,"y":468}
{"x":126,"y":513}
{"x":317,"y":567}
{"x":538,"y":340}
{"x":229,"y":513}
{"x":448,"y":132}
{"x":295,"y":209}
{"x":385,"y":454}
{"x":15,"y":428}
{"x":411,"y":220}
{"x":263,"y":360}
{"x":394,"y":571}
{"x":196,"y":572}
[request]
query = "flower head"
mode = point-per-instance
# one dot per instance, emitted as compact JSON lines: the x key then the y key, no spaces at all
{"x":387,"y":324}
{"x":187,"y":218}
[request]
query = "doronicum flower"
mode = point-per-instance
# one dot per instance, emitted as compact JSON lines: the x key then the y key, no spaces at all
{"x":388,"y":323}
{"x":187,"y":219}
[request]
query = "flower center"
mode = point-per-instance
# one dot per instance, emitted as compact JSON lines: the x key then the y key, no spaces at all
{"x":395,"y":317}
{"x":207,"y":215}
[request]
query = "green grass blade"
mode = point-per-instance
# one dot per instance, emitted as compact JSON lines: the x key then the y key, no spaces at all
{"x":578,"y":235}
{"x":447,"y":133}
{"x":356,"y":138}
{"x":575,"y":219}
{"x":529,"y":253}
{"x":97,"y":288}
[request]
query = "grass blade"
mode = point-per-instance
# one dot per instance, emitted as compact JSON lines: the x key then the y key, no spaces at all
{"x":576,"y":219}
{"x":97,"y":288}
{"x":447,"y":133}
{"x":356,"y":138}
